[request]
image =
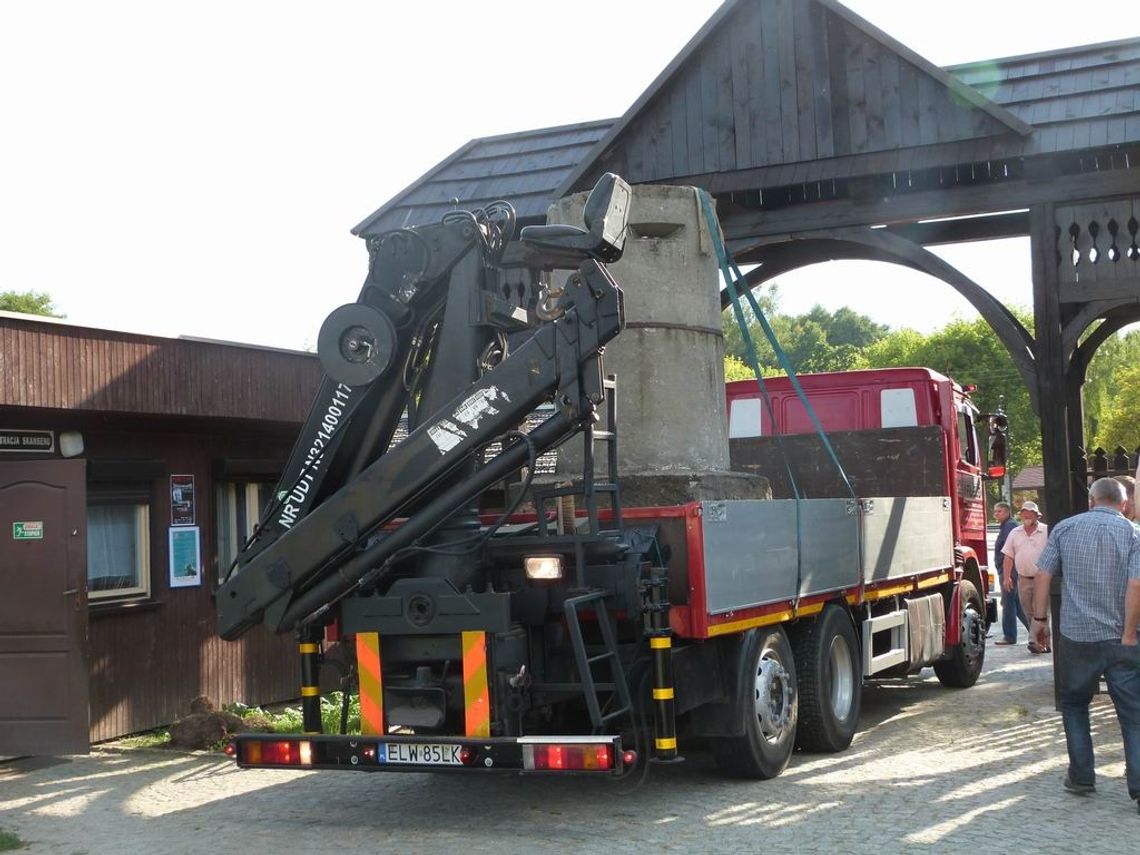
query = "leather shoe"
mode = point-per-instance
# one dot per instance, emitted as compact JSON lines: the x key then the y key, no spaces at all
{"x":1080,"y":789}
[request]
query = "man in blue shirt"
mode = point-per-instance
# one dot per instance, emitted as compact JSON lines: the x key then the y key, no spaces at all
{"x":1097,"y":556}
{"x":1011,"y":610}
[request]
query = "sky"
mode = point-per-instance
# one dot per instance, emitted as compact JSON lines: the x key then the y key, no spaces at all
{"x":195,"y":169}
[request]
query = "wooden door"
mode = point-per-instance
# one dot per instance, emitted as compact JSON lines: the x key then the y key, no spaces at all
{"x":43,"y":607}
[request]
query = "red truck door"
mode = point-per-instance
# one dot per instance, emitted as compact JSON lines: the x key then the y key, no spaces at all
{"x":968,"y":480}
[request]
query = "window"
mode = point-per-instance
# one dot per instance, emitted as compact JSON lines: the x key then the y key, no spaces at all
{"x":967,"y":444}
{"x":897,"y":408}
{"x":239,"y":510}
{"x":744,"y":417}
{"x":118,"y":549}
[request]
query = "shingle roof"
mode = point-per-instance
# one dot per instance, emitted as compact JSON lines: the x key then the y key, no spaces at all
{"x":524,"y":168}
{"x":1075,"y":98}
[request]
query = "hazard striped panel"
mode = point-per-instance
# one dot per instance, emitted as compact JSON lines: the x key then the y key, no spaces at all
{"x":371,"y":683}
{"x":476,"y":693}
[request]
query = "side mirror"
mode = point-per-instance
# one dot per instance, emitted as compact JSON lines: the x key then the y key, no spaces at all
{"x":998,"y":427}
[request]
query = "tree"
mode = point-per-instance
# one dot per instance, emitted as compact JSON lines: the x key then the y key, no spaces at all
{"x":815,"y":341}
{"x":28,"y":303}
{"x":1111,"y":410}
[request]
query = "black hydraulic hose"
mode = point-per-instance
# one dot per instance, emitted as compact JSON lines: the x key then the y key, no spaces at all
{"x":317,"y":599}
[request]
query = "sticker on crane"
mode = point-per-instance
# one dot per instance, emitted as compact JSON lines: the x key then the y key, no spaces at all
{"x":371,"y":683}
{"x":448,"y":433}
{"x":476,"y":693}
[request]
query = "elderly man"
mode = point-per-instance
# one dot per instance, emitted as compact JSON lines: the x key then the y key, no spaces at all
{"x":1097,"y":556}
{"x":1011,"y":609}
{"x":1021,"y":550}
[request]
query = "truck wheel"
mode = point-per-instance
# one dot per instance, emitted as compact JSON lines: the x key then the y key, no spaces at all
{"x":964,"y":666}
{"x":830,"y":681}
{"x":766,"y":694}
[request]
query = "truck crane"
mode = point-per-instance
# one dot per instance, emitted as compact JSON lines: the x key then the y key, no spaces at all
{"x":562,"y":632}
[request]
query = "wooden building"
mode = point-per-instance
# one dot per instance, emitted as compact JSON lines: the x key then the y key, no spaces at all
{"x":131,"y":469}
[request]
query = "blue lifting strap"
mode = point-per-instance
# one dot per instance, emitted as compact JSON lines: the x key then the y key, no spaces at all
{"x":729,"y":270}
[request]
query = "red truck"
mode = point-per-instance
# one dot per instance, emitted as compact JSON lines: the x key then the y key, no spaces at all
{"x":555,"y":642}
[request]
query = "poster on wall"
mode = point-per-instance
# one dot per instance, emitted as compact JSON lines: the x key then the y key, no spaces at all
{"x":182,"y":500}
{"x":185,"y":557}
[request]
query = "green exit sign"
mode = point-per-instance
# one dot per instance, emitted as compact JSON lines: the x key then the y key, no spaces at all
{"x":28,"y":530}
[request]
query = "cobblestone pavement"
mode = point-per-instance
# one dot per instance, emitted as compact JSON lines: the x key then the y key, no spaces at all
{"x":941,"y":770}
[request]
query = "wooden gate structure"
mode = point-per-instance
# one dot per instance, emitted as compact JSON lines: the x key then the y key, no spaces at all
{"x":821,"y":137}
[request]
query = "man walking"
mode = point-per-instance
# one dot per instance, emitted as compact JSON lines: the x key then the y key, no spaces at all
{"x":1021,"y":550}
{"x":1097,"y":556}
{"x":1011,"y":610}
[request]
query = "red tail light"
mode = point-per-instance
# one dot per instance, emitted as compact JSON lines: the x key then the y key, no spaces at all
{"x":281,"y":752}
{"x":575,"y":757}
{"x":231,"y":749}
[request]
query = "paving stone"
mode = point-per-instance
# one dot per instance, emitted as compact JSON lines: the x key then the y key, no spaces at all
{"x":944,"y":770}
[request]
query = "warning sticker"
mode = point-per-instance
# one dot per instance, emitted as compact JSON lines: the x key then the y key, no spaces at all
{"x":446,"y":434}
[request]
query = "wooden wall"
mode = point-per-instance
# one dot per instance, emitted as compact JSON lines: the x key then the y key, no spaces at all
{"x":147,"y":663}
{"x":58,"y":366}
{"x":790,"y":81}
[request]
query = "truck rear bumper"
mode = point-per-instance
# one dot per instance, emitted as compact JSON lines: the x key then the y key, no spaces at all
{"x":595,"y":755}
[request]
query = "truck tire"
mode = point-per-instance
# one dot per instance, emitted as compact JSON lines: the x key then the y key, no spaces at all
{"x":765,"y":693}
{"x":830,"y":681}
{"x":962,"y":669}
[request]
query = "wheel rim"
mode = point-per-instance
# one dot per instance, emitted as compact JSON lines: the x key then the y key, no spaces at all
{"x":973,"y":633}
{"x":842,"y":675}
{"x":773,"y":696}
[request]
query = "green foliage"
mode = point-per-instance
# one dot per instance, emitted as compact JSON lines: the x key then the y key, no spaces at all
{"x":1119,"y":422}
{"x":28,"y":302}
{"x":290,"y":720}
{"x":816,"y":341}
{"x":10,"y":842}
{"x":736,"y":368}
{"x":151,"y":739}
{"x":1111,"y":404}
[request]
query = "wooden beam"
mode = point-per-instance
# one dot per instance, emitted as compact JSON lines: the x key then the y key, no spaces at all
{"x":1015,"y":224}
{"x":744,"y":229}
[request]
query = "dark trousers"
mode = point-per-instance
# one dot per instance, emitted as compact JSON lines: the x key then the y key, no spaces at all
{"x":1081,"y":666}
{"x":1011,"y":610}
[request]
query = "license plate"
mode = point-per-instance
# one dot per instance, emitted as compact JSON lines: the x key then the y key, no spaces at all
{"x":419,"y":753}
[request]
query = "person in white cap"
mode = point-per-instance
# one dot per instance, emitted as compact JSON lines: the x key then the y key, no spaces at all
{"x":1022,"y":549}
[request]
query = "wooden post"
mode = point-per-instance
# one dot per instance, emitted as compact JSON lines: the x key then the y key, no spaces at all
{"x":1056,"y":450}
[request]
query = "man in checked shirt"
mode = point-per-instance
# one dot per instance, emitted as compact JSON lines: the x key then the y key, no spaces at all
{"x":1097,"y":556}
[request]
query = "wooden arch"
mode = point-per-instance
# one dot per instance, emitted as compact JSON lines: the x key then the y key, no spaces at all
{"x":779,"y":257}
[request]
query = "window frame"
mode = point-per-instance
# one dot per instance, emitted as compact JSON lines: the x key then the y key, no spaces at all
{"x":228,"y":527}
{"x":141,"y":505}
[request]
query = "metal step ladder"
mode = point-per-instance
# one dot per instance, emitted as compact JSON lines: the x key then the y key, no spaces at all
{"x":596,"y":602}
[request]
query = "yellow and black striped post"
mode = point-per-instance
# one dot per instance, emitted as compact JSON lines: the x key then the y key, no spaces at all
{"x":660,"y":636}
{"x":309,"y":645}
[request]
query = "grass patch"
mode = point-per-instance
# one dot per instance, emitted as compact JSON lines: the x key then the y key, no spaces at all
{"x":288,"y":719}
{"x":9,"y":842}
{"x":151,"y":739}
